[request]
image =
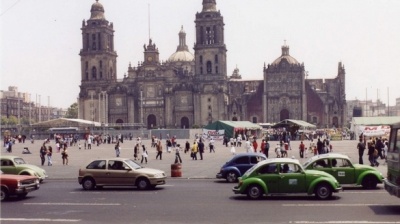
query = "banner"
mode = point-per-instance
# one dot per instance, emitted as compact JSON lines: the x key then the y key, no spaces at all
{"x":215,"y":134}
{"x":374,"y":130}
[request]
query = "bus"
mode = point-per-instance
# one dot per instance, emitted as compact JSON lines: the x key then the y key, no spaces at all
{"x":392,"y":182}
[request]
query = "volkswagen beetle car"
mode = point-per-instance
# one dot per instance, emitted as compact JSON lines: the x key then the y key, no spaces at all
{"x":17,"y":165}
{"x":238,"y":165}
{"x":285,"y":176}
{"x":119,"y":172}
{"x":17,"y":185}
{"x":340,"y":166}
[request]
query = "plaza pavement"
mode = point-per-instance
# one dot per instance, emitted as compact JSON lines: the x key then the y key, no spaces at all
{"x":191,"y":169}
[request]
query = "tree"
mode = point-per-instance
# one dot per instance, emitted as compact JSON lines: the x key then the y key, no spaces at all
{"x":72,"y":111}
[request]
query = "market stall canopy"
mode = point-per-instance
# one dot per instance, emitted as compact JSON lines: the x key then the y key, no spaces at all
{"x":373,"y":126}
{"x":66,"y":122}
{"x":230,"y":127}
{"x":290,"y":122}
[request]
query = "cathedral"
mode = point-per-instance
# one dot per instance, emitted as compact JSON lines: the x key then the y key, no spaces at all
{"x":192,"y":90}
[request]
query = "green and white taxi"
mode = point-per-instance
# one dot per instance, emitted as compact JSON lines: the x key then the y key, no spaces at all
{"x":17,"y":166}
{"x":340,"y":166}
{"x":285,"y":176}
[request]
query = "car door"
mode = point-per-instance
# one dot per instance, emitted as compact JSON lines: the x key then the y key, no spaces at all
{"x":269,"y":174}
{"x":8,"y":166}
{"x":242,"y":164}
{"x":118,"y":174}
{"x":343,"y":171}
{"x":292,"y":178}
{"x":97,"y":169}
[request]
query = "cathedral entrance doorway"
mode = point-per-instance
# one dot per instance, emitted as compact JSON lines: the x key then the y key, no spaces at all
{"x":151,"y":121}
{"x":119,"y":121}
{"x":234,"y":119}
{"x":184,"y":122}
{"x":335,"y":122}
{"x":284,"y":114}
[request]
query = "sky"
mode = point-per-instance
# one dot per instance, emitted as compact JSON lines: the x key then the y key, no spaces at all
{"x":40,"y":40}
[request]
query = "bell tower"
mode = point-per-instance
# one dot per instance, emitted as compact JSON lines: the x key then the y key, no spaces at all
{"x":98,"y":58}
{"x":210,"y":95}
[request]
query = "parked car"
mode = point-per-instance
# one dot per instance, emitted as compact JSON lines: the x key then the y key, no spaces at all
{"x":238,"y":165}
{"x":285,"y":176}
{"x":18,"y":185}
{"x":17,"y":165}
{"x":340,"y":166}
{"x":119,"y":172}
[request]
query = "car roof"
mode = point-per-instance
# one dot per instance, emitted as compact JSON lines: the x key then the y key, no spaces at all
{"x":9,"y":157}
{"x":329,"y":155}
{"x":111,"y":158}
{"x":280,"y":160}
{"x":249,"y":154}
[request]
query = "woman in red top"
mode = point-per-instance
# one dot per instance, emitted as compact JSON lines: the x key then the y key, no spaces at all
{"x":255,"y":145}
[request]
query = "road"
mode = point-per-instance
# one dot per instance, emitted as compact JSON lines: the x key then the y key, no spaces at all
{"x":200,"y":169}
{"x":194,"y":201}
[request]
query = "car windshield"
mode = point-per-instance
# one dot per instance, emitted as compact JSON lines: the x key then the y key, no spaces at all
{"x":19,"y":161}
{"x":132,"y":164}
{"x":307,"y":162}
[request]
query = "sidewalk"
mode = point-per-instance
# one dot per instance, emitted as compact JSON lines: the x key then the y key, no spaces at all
{"x":191,"y":169}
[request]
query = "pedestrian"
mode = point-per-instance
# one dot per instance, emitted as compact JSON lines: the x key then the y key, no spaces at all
{"x":201,"y":148}
{"x":136,"y":151}
{"x":301,"y":148}
{"x":211,"y":145}
{"x":117,"y":149}
{"x":43,"y":152}
{"x":233,"y":150}
{"x":361,"y":148}
{"x":169,"y":145}
{"x":187,"y":147}
{"x":371,"y":153}
{"x":194,"y":151}
{"x":320,"y":146}
{"x":64,"y":155}
{"x":247,"y":146}
{"x":266,"y":148}
{"x":89,"y":142}
{"x":144,"y":154}
{"x":177,"y":154}
{"x":255,"y":145}
{"x":49,"y":154}
{"x":159,"y":149}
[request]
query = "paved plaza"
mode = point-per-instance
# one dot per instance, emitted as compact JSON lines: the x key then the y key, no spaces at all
{"x":206,"y":168}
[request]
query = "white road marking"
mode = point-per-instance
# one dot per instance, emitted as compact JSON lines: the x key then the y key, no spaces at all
{"x":82,"y":204}
{"x":334,"y":205}
{"x":344,"y":222}
{"x":39,"y":220}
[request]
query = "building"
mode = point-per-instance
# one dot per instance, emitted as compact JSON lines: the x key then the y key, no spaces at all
{"x":190,"y":90}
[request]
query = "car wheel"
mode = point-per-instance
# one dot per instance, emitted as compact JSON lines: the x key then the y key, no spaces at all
{"x":231,"y":177}
{"x":4,"y":194}
{"x":323,"y":191}
{"x":142,"y":183}
{"x":369,"y":182}
{"x":88,"y":184}
{"x":254,"y":192}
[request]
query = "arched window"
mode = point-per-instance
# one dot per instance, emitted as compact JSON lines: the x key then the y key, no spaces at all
{"x":94,"y":72}
{"x":94,"y":42}
{"x":209,"y":67}
{"x":101,"y":70}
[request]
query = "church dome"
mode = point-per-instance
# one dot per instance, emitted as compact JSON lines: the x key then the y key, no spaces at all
{"x":285,"y":56}
{"x":182,"y":52}
{"x":181,"y":56}
{"x":97,"y":11}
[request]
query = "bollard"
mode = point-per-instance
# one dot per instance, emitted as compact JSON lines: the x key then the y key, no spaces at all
{"x":176,"y":170}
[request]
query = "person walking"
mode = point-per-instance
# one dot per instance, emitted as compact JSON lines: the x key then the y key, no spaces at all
{"x":301,"y":148}
{"x":211,"y":145}
{"x":64,"y":155}
{"x":43,"y":152}
{"x":136,"y":151}
{"x":187,"y":147}
{"x":201,"y":148}
{"x":255,"y":145}
{"x":194,"y":151}
{"x":144,"y":154}
{"x":177,"y":153}
{"x":117,"y":149}
{"x":49,"y":154}
{"x":361,"y":149}
{"x":159,"y":149}
{"x":371,"y":153}
{"x":266,"y":148}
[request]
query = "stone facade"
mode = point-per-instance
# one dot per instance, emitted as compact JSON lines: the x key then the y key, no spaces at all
{"x":194,"y":90}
